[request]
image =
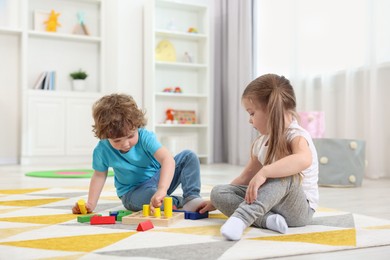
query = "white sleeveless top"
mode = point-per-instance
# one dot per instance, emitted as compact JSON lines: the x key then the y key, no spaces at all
{"x":310,"y":175}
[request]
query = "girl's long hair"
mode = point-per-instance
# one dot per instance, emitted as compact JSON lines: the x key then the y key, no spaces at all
{"x":276,"y":95}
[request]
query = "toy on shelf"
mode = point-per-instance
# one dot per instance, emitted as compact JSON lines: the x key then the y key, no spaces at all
{"x":81,"y":28}
{"x":170,"y":116}
{"x":192,"y":30}
{"x":180,"y":116}
{"x":185,"y":116}
{"x":52,"y":22}
{"x":165,"y":51}
{"x":172,"y":90}
{"x":166,"y":218}
{"x":187,"y":57}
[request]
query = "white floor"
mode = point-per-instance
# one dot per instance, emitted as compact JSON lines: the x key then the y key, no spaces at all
{"x":372,"y":199}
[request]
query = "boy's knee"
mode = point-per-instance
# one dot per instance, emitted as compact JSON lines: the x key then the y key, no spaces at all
{"x":190,"y":155}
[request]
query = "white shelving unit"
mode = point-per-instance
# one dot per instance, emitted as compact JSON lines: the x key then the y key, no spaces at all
{"x":170,"y":20}
{"x":55,"y":124}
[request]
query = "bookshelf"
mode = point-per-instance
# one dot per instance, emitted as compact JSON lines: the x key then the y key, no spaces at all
{"x":55,"y":123}
{"x":167,"y":26}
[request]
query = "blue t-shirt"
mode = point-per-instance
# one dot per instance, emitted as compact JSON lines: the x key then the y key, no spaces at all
{"x":131,"y":168}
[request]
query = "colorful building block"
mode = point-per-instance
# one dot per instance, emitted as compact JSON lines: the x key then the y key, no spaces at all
{"x":146,"y":210}
{"x":146,"y":225}
{"x":193,"y":215}
{"x":168,"y":203}
{"x":122,"y":213}
{"x":82,"y":207}
{"x":100,"y":220}
{"x":115,"y":214}
{"x":86,"y":218}
{"x":163,"y":221}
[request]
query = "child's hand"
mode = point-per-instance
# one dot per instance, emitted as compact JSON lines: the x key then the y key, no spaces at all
{"x":157,"y":199}
{"x":76,"y":209}
{"x":205,"y":206}
{"x":253,"y":187}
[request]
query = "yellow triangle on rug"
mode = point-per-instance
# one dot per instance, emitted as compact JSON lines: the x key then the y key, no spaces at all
{"x":45,"y":219}
{"x":29,"y":203}
{"x":8,"y":232}
{"x":86,"y":243}
{"x":199,"y":230}
{"x":345,"y":237}
{"x":21,"y":191}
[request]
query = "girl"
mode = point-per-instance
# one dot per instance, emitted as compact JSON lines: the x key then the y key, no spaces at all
{"x":278,"y":187}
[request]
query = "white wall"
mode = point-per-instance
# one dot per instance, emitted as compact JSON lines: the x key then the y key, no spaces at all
{"x":124,"y":43}
{"x":9,"y":100}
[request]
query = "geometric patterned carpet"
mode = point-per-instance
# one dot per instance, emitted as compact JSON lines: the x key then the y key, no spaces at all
{"x":38,"y":224}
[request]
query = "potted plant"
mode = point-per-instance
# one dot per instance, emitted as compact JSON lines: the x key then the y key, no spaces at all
{"x":78,"y":78}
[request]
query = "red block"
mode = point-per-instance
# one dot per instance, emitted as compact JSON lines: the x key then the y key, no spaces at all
{"x":99,"y":220}
{"x":146,"y":225}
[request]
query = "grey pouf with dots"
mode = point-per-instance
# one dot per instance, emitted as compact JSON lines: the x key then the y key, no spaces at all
{"x":341,"y":162}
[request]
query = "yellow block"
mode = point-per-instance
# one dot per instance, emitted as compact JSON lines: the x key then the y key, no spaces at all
{"x":157,"y":212}
{"x":168,"y":207}
{"x":145,"y":210}
{"x":82,"y":207}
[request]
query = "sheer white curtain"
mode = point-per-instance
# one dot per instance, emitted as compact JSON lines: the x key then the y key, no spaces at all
{"x":337,"y":55}
{"x":233,"y":70}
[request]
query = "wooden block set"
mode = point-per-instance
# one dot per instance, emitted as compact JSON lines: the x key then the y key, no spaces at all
{"x":165,"y":219}
{"x":143,"y":218}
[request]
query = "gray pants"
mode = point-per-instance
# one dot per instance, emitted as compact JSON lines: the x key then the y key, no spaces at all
{"x":283,"y":196}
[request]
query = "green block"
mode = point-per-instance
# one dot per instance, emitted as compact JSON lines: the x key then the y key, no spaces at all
{"x":86,"y":218}
{"x":123,"y":213}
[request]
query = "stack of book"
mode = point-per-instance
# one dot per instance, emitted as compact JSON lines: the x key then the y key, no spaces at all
{"x":46,"y":81}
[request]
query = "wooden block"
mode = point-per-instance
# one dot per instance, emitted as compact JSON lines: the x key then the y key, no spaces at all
{"x":195,"y":215}
{"x":146,"y":225}
{"x":86,"y":218}
{"x":99,"y":220}
{"x":137,"y":217}
{"x":82,"y":207}
{"x":122,"y":213}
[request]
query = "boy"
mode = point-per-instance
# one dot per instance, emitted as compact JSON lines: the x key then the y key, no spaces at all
{"x":145,"y":171}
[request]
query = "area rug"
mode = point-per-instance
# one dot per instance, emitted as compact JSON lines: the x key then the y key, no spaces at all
{"x":37,"y":223}
{"x":73,"y":173}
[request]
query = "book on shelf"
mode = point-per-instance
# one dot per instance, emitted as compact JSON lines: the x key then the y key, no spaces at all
{"x":46,"y":81}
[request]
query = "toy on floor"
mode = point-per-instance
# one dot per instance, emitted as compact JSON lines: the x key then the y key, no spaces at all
{"x":82,"y":207}
{"x":193,"y":215}
{"x":146,"y":225}
{"x":166,"y":218}
{"x":120,"y":214}
{"x":86,"y":218}
{"x":99,"y":220}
